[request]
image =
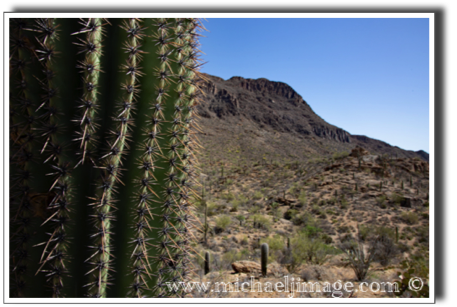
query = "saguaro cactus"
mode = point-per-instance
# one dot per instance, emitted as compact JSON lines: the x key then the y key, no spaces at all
{"x":207,"y":259}
{"x":102,"y":155}
{"x":264,"y":258}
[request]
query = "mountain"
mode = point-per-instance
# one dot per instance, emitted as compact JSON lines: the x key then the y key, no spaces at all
{"x":260,"y":119}
{"x":272,"y":171}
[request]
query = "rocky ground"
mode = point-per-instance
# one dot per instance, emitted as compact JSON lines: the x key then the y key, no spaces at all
{"x":336,"y":201}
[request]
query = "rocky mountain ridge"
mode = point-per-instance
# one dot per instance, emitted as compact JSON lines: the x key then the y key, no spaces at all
{"x":269,"y":115}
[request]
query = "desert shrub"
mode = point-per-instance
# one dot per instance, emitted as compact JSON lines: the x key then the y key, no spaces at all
{"x":294,"y":189}
{"x":257,"y":195}
{"x":300,"y":219}
{"x":333,"y":200}
{"x":254,"y":209}
{"x":240,"y":200}
{"x":305,"y":219}
{"x":276,"y":213}
{"x":290,"y":214}
{"x":381,"y":200}
{"x":409,"y":217}
{"x":234,"y":207}
{"x":241,"y":218}
{"x":358,"y":257}
{"x":331,"y":212}
{"x":212,"y":208}
{"x":232,"y":256}
{"x":311,"y":250}
{"x":261,"y":221}
{"x":343,"y":229}
{"x":275,"y":243}
{"x":364,"y":232}
{"x":340,"y":155}
{"x":403,"y":248}
{"x":302,"y":199}
{"x":222,"y":223}
{"x":274,"y":205}
{"x":396,"y":198}
{"x":244,"y":240}
{"x":305,"y":249}
{"x":317,"y":210}
{"x":344,"y":202}
{"x":326,"y":238}
{"x":420,"y":264}
{"x":245,"y":252}
{"x":221,"y":208}
{"x":312,"y":231}
{"x":413,"y":268}
{"x":229,"y":196}
{"x":383,"y":231}
{"x":387,"y":249}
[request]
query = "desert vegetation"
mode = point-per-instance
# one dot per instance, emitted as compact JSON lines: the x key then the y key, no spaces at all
{"x":343,"y":217}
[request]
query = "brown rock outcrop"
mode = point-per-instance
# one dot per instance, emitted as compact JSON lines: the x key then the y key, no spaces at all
{"x":245,"y":266}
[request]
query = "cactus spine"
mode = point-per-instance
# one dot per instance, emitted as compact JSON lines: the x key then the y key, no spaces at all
{"x":264,"y":258}
{"x":75,"y":84}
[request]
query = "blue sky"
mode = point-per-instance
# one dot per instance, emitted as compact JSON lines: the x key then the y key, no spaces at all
{"x":367,"y":73}
{"x":367,"y":76}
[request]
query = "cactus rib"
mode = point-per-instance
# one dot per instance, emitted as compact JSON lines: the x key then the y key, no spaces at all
{"x":120,"y":210}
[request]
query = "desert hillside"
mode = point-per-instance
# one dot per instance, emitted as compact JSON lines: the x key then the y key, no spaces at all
{"x":258,"y":119}
{"x":272,"y":171}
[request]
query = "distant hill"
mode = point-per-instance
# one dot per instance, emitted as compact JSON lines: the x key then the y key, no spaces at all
{"x":261,"y":119}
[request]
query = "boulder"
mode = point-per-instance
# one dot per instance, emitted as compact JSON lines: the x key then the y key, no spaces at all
{"x":246,"y":266}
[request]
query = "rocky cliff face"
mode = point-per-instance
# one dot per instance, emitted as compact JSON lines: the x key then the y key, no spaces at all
{"x":270,"y":104}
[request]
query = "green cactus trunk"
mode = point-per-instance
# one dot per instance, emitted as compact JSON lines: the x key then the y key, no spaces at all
{"x":102,"y":156}
{"x":264,"y":258}
{"x":207,"y":260}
